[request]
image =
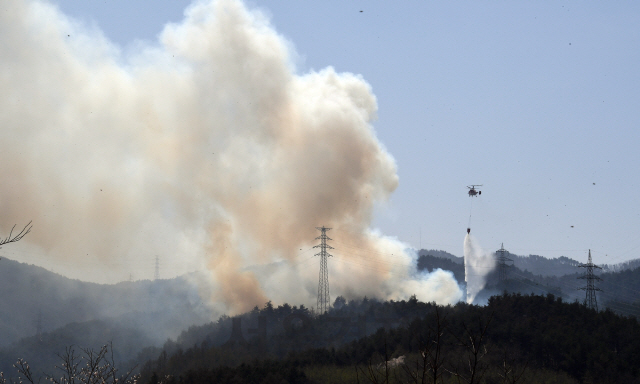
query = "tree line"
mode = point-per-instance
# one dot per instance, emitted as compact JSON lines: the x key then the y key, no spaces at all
{"x":514,"y":338}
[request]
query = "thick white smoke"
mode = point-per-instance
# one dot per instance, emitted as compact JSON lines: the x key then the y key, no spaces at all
{"x":206,"y":149}
{"x":477,"y":265}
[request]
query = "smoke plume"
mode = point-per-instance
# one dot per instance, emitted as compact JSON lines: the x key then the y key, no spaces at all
{"x":205,"y":148}
{"x":477,"y":265}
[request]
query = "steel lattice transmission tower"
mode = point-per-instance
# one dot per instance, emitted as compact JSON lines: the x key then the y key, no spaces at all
{"x":503,"y":267}
{"x":323,"y":281}
{"x":590,"y":300}
{"x":39,"y":326}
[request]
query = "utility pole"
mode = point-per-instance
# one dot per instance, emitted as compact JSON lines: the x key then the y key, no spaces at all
{"x":501,"y":257}
{"x":590,"y":300}
{"x":157,"y":275}
{"x":324,"y":301}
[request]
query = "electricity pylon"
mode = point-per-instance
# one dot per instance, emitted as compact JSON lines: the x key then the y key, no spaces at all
{"x":590,"y":300}
{"x":323,"y":281}
{"x":39,"y":326}
{"x":502,"y":259}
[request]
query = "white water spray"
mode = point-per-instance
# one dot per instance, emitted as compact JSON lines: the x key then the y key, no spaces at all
{"x":477,"y":265}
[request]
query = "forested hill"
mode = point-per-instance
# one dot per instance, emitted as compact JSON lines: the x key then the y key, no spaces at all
{"x":428,"y":262}
{"x":623,"y":266}
{"x":619,"y":291}
{"x":441,"y":254}
{"x":619,"y":287}
{"x":40,"y":299}
{"x":534,"y":339}
{"x":45,"y":312}
{"x":535,"y":264}
{"x":542,"y":266}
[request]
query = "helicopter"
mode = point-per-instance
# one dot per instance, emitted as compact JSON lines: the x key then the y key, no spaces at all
{"x":472,"y":190}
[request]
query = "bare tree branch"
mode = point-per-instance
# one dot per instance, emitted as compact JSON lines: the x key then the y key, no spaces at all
{"x":18,"y":237}
{"x":430,"y":362}
{"x":24,"y":370}
{"x":69,"y":367}
{"x":509,"y":372}
{"x":475,"y":351}
{"x":98,"y":367}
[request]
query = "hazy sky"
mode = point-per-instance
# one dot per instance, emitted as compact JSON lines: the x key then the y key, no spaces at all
{"x":537,"y":101}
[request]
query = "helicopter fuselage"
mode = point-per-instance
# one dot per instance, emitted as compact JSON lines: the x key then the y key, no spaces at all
{"x":473,"y":192}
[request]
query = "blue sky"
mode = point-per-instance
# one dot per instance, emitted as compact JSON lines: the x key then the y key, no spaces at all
{"x":537,"y":101}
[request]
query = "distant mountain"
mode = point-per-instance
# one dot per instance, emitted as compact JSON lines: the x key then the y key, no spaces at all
{"x":625,"y":265}
{"x":442,"y":255}
{"x":40,"y":299}
{"x":42,"y":350}
{"x":428,"y":262}
{"x":537,"y":265}
{"x":42,"y":312}
{"x":619,"y":291}
{"x":542,"y":266}
{"x":619,"y":285}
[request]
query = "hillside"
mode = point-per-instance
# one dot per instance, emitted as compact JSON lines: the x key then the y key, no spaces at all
{"x":629,"y":264}
{"x":535,"y":264}
{"x":133,"y":315}
{"x":540,"y":339}
{"x":619,"y":285}
{"x":42,"y":297}
{"x":428,"y":262}
{"x":441,"y":254}
{"x":139,"y":316}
